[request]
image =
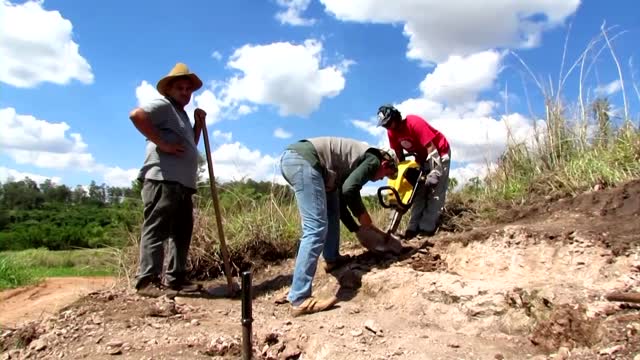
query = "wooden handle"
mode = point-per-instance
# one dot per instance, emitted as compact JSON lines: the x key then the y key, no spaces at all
{"x":216,"y":205}
{"x":624,"y":297}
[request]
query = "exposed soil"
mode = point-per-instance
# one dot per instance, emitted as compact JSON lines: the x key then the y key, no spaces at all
{"x":46,"y":298}
{"x":532,"y":287}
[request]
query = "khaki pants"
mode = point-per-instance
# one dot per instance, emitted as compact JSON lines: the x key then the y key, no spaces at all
{"x":428,"y":203}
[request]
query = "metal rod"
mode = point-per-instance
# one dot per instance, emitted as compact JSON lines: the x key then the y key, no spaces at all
{"x":247,"y":320}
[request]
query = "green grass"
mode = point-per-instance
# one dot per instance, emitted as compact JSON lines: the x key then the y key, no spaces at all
{"x":14,"y":275}
{"x":20,"y":268}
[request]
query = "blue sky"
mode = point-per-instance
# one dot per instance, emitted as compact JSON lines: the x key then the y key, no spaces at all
{"x":281,"y":70}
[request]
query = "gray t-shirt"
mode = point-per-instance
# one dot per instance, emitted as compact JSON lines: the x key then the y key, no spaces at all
{"x":174,"y":126}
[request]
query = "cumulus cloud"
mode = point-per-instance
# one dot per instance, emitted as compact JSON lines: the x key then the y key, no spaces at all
{"x":116,"y":176}
{"x":295,"y":78}
{"x":292,"y":12}
{"x":437,"y":30}
{"x":31,"y":141}
{"x":281,"y":133}
{"x":286,"y":75}
{"x":450,"y":103}
{"x":469,"y":171}
{"x":15,"y":175}
{"x":235,"y":161}
{"x":25,"y":132}
{"x":475,"y":136}
{"x":37,"y":47}
{"x":461,"y":79}
{"x":222,"y":136}
{"x":38,"y":142}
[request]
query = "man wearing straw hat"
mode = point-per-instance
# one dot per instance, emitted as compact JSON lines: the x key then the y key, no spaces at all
{"x":169,"y":177}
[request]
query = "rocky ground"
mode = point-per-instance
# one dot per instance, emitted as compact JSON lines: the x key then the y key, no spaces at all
{"x":534,"y":288}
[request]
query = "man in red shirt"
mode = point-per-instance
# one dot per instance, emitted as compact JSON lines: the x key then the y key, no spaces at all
{"x":433,"y":153}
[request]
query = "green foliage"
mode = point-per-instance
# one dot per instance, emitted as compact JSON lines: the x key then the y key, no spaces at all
{"x":20,"y":268}
{"x":13,"y":274}
{"x":55,"y":217}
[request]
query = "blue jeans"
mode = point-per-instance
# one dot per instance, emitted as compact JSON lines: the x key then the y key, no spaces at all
{"x":320,"y":216}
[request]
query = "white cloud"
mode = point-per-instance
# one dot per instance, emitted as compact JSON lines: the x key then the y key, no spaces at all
{"x":292,"y":13}
{"x":25,"y":132}
{"x":216,"y":55}
{"x":286,"y":75}
{"x":145,"y":92}
{"x":475,"y":135}
{"x":235,"y":161}
{"x":281,"y":133}
{"x":208,"y":102}
{"x":223,"y":136}
{"x":471,"y":129}
{"x":31,"y":141}
{"x":449,"y":103}
{"x":469,"y":171}
{"x":6,"y":173}
{"x":283,"y":74}
{"x":37,"y":47}
{"x":50,"y":160}
{"x":608,"y":89}
{"x":116,"y":176}
{"x":461,"y":79}
{"x":38,"y":142}
{"x":439,"y":29}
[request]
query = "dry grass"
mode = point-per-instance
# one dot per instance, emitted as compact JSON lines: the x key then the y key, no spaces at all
{"x":578,"y":147}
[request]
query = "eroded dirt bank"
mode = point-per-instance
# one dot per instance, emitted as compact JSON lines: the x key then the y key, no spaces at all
{"x":530,"y":289}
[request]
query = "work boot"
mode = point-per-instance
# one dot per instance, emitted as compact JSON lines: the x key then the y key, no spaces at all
{"x":340,"y":261}
{"x":410,"y":234}
{"x":151,"y":288}
{"x":313,"y":305}
{"x":184,"y":286}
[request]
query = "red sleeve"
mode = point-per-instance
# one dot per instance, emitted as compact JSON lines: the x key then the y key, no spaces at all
{"x":395,"y":145}
{"x":421,"y":130}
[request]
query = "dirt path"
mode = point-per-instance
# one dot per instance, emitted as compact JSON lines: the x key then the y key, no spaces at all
{"x":37,"y":301}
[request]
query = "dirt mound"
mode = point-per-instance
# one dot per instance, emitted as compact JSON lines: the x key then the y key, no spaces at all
{"x":567,"y":326}
{"x":621,"y":201}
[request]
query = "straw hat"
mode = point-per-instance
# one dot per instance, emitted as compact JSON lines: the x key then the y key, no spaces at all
{"x":179,"y":69}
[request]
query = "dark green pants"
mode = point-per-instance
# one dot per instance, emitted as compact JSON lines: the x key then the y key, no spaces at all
{"x":168,"y":216}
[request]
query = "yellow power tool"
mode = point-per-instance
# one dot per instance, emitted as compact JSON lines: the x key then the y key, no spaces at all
{"x":398,"y":194}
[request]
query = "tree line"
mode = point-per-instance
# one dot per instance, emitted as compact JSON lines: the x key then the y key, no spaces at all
{"x":59,"y":217}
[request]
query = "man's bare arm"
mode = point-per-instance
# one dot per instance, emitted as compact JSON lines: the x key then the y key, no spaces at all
{"x":142,"y":122}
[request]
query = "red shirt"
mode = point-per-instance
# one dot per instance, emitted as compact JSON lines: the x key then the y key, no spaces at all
{"x":413,"y":135}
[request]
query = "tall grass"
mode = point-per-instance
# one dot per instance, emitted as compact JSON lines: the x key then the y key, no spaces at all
{"x":13,"y":274}
{"x":258,"y":232}
{"x":574,"y":150}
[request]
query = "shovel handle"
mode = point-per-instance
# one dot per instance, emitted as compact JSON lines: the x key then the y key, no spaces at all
{"x":216,"y":205}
